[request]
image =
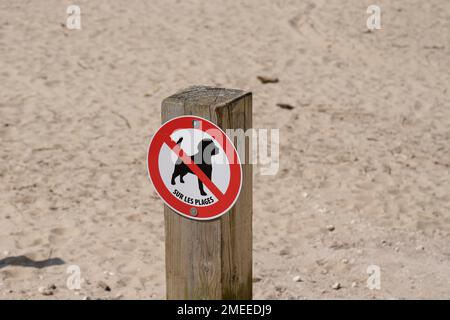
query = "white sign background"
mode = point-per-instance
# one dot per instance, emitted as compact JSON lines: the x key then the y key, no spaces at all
{"x":220,"y":165}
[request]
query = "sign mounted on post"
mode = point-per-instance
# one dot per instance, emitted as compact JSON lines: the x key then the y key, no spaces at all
{"x":194,"y":168}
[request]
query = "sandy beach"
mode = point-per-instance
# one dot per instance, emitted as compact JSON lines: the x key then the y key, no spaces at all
{"x":364,"y":176}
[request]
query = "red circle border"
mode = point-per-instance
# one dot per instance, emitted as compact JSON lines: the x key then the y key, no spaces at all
{"x":234,"y":187}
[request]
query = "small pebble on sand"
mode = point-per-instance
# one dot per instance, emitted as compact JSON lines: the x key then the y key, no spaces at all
{"x":280,"y":289}
{"x":285,"y":106}
{"x":297,"y":279}
{"x":336,"y":286}
{"x":265,"y":80}
{"x":104,"y":286}
{"x":47,"y":291}
{"x":330,"y":228}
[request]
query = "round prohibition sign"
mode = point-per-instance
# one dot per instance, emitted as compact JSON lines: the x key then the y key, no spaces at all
{"x":194,"y":168}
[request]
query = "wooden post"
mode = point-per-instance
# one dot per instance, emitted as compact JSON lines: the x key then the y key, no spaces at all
{"x":212,"y":259}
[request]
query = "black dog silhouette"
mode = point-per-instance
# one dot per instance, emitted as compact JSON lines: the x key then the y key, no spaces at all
{"x":206,"y":149}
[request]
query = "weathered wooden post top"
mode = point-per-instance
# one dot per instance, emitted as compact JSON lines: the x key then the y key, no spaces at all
{"x":211,"y":259}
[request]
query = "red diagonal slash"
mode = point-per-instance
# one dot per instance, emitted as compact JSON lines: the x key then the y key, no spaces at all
{"x":194,"y":168}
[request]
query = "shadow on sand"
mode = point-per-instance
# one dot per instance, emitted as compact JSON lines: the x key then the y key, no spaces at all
{"x":24,"y":261}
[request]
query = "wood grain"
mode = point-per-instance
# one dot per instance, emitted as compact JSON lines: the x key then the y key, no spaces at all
{"x":211,"y":259}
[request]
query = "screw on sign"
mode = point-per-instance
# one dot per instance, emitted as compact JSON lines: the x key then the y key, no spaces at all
{"x":194,"y":168}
